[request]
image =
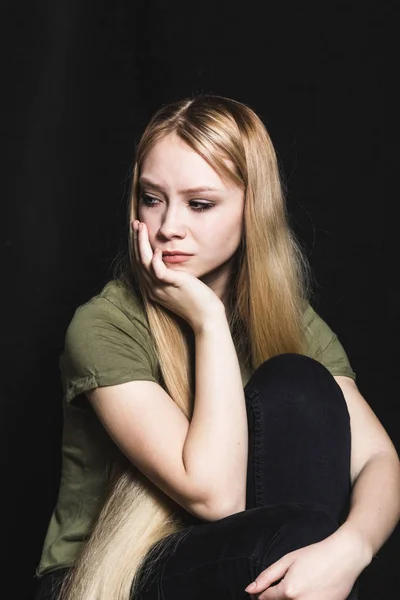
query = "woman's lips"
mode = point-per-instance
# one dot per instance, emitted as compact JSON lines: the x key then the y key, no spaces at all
{"x":176,"y":258}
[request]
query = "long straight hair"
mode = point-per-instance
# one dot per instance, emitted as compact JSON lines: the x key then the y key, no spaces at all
{"x":268,"y":289}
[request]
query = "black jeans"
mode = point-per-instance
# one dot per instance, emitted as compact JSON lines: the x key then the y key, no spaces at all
{"x":298,"y":489}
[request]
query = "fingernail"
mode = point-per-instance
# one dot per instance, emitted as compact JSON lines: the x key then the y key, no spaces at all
{"x":251,"y":587}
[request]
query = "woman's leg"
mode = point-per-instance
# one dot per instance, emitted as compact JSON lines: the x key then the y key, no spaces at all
{"x":217,"y":560}
{"x":299,"y":436}
{"x":298,"y":484}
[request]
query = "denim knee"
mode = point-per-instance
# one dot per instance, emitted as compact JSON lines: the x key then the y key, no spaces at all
{"x":218,"y":559}
{"x":285,"y":377}
{"x":303,"y":525}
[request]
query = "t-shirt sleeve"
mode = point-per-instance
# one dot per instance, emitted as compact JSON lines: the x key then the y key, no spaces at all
{"x":104,"y":347}
{"x":324,"y":345}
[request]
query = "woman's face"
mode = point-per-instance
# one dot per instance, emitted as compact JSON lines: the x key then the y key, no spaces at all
{"x":175,"y":183}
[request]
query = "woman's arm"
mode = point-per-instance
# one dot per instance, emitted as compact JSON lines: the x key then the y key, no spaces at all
{"x":216,"y":447}
{"x":200,"y":464}
{"x":375,"y":474}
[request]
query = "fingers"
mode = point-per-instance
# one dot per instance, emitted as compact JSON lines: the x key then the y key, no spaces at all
{"x":271,"y":575}
{"x":152,"y":261}
{"x":146,"y":252}
{"x":274,"y":593}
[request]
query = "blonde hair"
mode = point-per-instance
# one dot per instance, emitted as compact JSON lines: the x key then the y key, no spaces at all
{"x":268,"y":289}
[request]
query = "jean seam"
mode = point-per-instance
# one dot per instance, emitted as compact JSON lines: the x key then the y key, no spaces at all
{"x":255,"y":406}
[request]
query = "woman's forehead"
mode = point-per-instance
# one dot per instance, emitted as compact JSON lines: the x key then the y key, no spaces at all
{"x":171,"y":160}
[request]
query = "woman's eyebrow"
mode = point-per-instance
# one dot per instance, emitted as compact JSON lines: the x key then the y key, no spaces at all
{"x":194,"y":190}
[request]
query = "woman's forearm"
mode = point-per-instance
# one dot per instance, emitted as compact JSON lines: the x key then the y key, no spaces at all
{"x":375,"y":505}
{"x":216,"y":446}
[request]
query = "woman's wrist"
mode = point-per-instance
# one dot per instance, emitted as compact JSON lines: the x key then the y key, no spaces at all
{"x":208,"y":323}
{"x":356,"y":545}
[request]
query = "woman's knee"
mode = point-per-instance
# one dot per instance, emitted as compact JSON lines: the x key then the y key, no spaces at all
{"x":299,"y":525}
{"x":233,"y":551}
{"x":297,"y":382}
{"x":259,"y":531}
{"x":260,"y":535}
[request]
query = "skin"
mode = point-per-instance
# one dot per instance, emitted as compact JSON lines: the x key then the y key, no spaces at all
{"x":173,"y":223}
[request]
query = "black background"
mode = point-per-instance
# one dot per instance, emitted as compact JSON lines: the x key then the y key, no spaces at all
{"x":79,"y":82}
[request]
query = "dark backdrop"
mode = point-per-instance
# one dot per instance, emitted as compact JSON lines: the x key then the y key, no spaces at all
{"x":79,"y":82}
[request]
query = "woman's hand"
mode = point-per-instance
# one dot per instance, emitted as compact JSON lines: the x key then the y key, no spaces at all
{"x":326,"y":570}
{"x":179,"y":291}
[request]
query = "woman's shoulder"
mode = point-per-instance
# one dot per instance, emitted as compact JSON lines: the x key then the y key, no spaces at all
{"x":112,"y":320}
{"x":117,"y":299}
{"x":107,"y":342}
{"x":324,"y":345}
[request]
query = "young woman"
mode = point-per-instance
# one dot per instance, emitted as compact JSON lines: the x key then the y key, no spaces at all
{"x":213,"y":434}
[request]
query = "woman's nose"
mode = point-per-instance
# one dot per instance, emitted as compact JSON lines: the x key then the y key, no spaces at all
{"x":172,"y":225}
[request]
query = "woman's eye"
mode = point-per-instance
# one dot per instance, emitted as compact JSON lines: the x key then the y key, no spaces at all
{"x":202,"y":205}
{"x":149,"y":201}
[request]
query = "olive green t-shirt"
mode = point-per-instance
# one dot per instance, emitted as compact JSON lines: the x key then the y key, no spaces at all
{"x":108,"y":343}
